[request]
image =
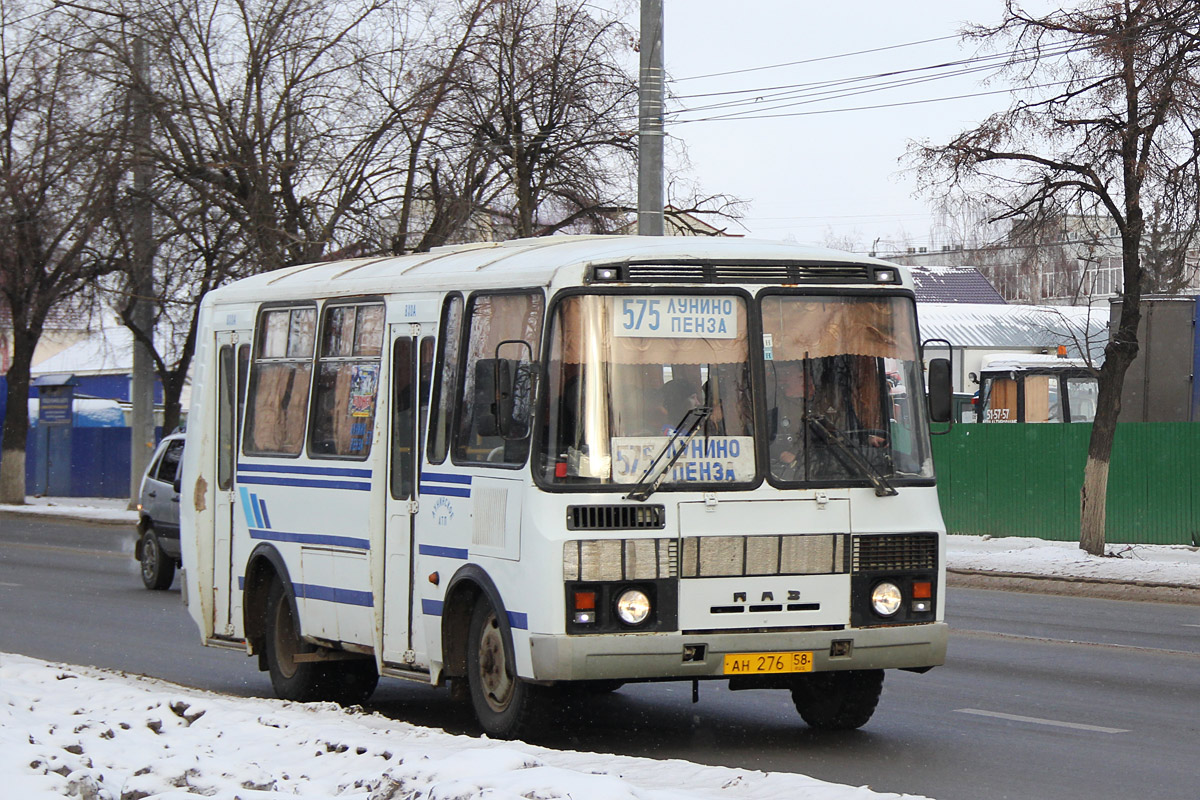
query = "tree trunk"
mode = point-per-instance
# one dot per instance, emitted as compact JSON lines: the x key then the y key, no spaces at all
{"x":16,"y":424}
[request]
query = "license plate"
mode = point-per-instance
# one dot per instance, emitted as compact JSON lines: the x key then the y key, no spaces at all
{"x":768,"y":663}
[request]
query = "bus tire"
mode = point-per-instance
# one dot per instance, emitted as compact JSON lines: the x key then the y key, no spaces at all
{"x":504,"y":704}
{"x":291,"y":680}
{"x":350,"y":683}
{"x":838,"y":701}
{"x":158,"y":569}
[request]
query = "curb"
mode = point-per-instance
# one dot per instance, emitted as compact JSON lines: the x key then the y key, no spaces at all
{"x":79,"y":516}
{"x":1100,"y":588}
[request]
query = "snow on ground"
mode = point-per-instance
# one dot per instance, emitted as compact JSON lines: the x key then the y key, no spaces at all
{"x":100,"y":509}
{"x":89,"y":733}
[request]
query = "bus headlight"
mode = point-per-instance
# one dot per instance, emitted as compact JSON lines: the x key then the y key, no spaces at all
{"x":633,"y":606}
{"x":886,"y":598}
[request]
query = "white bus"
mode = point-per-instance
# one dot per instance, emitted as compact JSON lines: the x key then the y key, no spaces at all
{"x":569,"y":462}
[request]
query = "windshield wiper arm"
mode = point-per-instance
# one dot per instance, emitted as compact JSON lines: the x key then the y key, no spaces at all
{"x":834,"y":435}
{"x":654,"y":474}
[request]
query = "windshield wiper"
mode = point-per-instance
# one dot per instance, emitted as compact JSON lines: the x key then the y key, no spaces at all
{"x":846,"y":452}
{"x":654,"y":474}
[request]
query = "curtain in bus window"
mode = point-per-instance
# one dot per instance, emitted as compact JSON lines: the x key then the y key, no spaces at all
{"x":801,"y":327}
{"x":278,"y":408}
{"x":1041,"y":399}
{"x":282,"y":372}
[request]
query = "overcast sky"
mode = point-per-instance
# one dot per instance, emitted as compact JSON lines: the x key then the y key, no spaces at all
{"x":831,"y":175}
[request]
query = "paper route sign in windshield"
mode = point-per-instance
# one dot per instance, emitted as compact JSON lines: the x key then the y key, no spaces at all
{"x":677,"y":316}
{"x":703,"y":460}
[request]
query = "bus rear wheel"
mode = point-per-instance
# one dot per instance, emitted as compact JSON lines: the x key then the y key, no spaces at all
{"x":292,"y":680}
{"x":838,"y":701}
{"x":505,"y":705}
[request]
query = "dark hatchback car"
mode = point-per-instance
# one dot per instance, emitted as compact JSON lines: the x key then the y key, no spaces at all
{"x":157,"y":546}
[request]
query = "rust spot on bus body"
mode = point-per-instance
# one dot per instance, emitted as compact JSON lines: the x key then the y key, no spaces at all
{"x":201,"y":492}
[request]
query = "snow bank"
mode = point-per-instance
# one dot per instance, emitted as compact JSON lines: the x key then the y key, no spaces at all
{"x":84,"y":732}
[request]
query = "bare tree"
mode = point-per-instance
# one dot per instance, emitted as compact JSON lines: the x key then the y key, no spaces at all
{"x":545,"y":91}
{"x":57,"y":183}
{"x":1114,"y":137}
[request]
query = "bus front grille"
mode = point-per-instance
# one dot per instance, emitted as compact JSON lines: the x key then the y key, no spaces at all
{"x":615,"y":518}
{"x":894,"y":552}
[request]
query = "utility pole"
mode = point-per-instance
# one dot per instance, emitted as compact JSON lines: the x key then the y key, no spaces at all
{"x":141,"y":389}
{"x":650,"y":121}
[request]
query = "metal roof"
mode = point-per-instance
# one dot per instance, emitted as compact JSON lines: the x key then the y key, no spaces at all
{"x":953,"y":285}
{"x":992,"y":326}
{"x":531,"y":262}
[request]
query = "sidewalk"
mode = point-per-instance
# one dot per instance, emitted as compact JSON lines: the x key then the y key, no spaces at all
{"x":1166,"y":573}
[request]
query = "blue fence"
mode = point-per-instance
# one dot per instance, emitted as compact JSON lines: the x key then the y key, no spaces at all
{"x":86,"y":462}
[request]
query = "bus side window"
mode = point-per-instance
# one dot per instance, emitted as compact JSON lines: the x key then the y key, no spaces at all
{"x":445,"y":387}
{"x":347,"y":384}
{"x":279,"y":379}
{"x":495,"y":323}
{"x":225,"y":419}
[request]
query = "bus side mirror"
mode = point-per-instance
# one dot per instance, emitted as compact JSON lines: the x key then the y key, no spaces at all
{"x":940,"y":389}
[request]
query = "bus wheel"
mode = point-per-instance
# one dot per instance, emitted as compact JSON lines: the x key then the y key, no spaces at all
{"x":838,"y":701}
{"x":351,"y":683}
{"x":503,"y":703}
{"x":158,"y":569}
{"x":292,"y":680}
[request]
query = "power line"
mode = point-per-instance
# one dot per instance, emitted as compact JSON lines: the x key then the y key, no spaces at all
{"x":813,"y":60}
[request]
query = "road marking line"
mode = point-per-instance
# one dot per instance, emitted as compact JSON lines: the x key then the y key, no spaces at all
{"x":1039,"y":721}
{"x":2,"y":583}
{"x":1190,"y":625}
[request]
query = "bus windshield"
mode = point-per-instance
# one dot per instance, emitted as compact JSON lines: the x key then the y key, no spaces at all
{"x":624,"y":371}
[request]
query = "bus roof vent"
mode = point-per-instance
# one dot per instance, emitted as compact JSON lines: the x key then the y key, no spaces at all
{"x":615,"y":518}
{"x":894,"y":553}
{"x":770,"y":272}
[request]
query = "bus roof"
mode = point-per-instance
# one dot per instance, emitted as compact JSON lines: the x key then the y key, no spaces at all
{"x":520,"y":262}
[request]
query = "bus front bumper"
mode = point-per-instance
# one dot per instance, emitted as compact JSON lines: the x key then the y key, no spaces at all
{"x":633,"y":656}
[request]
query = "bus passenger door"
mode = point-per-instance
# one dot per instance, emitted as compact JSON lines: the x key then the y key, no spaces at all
{"x":233,"y":350}
{"x":408,"y":403}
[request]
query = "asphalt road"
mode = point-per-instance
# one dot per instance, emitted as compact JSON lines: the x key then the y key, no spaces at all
{"x":1042,"y":696}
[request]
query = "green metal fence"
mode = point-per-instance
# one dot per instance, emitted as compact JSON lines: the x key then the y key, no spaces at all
{"x":1024,"y":480}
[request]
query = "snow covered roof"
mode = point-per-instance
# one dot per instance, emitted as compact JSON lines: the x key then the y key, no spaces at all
{"x":108,"y":351}
{"x":992,"y":326}
{"x":953,"y":285}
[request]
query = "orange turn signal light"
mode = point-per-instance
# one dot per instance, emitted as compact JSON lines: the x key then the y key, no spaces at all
{"x":585,"y":601}
{"x":922,"y":590}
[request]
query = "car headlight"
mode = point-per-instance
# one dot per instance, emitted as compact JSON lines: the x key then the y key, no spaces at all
{"x":886,"y":599}
{"x":633,"y":606}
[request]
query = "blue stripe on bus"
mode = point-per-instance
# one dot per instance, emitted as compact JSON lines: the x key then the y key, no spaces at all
{"x":518,"y":619}
{"x":305,"y":483}
{"x":431,"y":607}
{"x":248,"y":508}
{"x":311,"y":538}
{"x":445,"y":491}
{"x":445,"y":477}
{"x":445,"y":552}
{"x":266,"y":520}
{"x":333,"y":594}
{"x":342,"y":472}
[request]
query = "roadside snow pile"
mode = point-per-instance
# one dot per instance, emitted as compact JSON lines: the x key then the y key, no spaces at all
{"x":1130,"y":563}
{"x":89,"y":733}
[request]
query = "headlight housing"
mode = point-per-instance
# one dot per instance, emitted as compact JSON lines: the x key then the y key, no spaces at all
{"x":633,"y":606}
{"x":886,"y":598}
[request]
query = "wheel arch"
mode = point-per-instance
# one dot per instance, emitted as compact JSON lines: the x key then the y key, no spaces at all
{"x":264,"y":565}
{"x":470,"y":583}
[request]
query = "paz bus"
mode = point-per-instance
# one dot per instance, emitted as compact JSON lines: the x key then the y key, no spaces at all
{"x":573,"y":463}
